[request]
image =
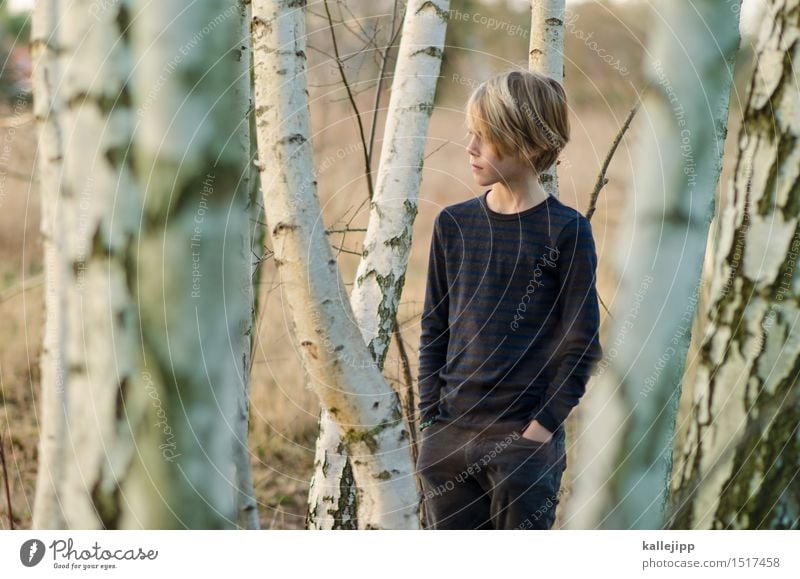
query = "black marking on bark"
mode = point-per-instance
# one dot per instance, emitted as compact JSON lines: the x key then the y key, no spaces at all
{"x":433,"y":51}
{"x":429,"y":5}
{"x":282,"y":226}
{"x":123,"y":19}
{"x":106,"y":504}
{"x":122,"y":392}
{"x":345,"y":513}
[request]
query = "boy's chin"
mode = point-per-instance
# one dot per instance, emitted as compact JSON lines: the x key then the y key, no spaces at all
{"x":484,"y":181}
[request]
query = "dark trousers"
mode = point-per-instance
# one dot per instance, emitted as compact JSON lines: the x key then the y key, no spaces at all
{"x":490,"y":478}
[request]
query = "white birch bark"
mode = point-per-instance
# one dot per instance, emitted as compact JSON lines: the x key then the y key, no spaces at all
{"x":153,"y":194}
{"x":387,"y":244}
{"x":98,"y":216}
{"x":44,"y":46}
{"x":625,"y":443}
{"x":737,"y":468}
{"x":546,"y":56}
{"x":190,"y":157}
{"x":350,"y":386}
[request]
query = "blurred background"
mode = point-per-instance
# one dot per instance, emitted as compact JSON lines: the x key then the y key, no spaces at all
{"x":605,"y":49}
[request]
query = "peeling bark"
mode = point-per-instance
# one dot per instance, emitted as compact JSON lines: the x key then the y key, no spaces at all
{"x":738,"y":466}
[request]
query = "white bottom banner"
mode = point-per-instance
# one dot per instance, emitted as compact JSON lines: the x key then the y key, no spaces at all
{"x":416,"y":554}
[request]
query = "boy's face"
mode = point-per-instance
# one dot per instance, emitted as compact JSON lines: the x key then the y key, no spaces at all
{"x":488,"y":167}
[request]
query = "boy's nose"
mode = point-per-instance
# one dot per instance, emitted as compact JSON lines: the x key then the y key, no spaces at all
{"x":471,"y":148}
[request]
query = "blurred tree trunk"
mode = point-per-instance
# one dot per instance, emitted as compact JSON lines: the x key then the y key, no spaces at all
{"x":44,"y":47}
{"x":625,"y":453}
{"x":738,"y":467}
{"x":546,"y":56}
{"x":246,"y":504}
{"x":154,"y":207}
{"x":191,"y":159}
{"x":349,"y":384}
{"x":99,"y":217}
{"x":387,"y":244}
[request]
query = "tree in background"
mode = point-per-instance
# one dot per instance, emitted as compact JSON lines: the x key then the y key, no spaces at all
{"x":625,"y":443}
{"x":47,"y":107}
{"x":154,"y":203}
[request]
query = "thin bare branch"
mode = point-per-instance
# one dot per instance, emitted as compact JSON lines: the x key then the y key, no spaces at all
{"x":8,"y":489}
{"x":350,"y":96}
{"x":601,"y":178}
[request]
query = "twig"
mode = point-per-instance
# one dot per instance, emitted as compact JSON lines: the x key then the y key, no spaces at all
{"x":14,"y":122}
{"x":343,"y":250}
{"x":8,"y":489}
{"x":409,"y":382}
{"x":601,"y":178}
{"x":447,"y":142}
{"x":346,"y":229}
{"x":605,"y":307}
{"x":17,"y":175}
{"x":32,"y":282}
{"x":342,"y":74}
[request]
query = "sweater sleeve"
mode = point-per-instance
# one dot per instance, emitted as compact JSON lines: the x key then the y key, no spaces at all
{"x":435,"y":332}
{"x":578,"y":347}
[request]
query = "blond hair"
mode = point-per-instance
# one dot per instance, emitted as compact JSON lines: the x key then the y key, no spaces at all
{"x":521,"y":114}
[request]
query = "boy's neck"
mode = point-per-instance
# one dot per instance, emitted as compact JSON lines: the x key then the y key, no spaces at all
{"x":514,"y":196}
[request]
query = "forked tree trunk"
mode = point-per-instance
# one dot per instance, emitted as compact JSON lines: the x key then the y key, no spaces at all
{"x":546,"y":56}
{"x":738,"y":467}
{"x":387,"y":244}
{"x":625,"y":442}
{"x":44,"y":45}
{"x":350,"y":386}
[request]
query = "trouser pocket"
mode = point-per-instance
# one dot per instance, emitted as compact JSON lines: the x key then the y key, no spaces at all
{"x":526,"y":480}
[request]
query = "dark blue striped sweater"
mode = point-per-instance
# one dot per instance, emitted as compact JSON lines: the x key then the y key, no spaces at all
{"x":510,"y":322}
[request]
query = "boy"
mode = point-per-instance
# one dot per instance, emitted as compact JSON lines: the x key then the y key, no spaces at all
{"x":510,"y":323}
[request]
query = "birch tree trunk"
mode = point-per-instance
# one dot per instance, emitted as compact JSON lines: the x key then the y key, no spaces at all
{"x":190,"y":156}
{"x":98,"y":215}
{"x":46,"y":510}
{"x":246,"y":504}
{"x":546,"y":56}
{"x":387,"y":244}
{"x":350,"y":386}
{"x":625,"y":443}
{"x":738,"y":468}
{"x":155,"y":205}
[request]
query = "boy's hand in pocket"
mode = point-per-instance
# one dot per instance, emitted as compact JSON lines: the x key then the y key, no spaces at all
{"x":537,"y":432}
